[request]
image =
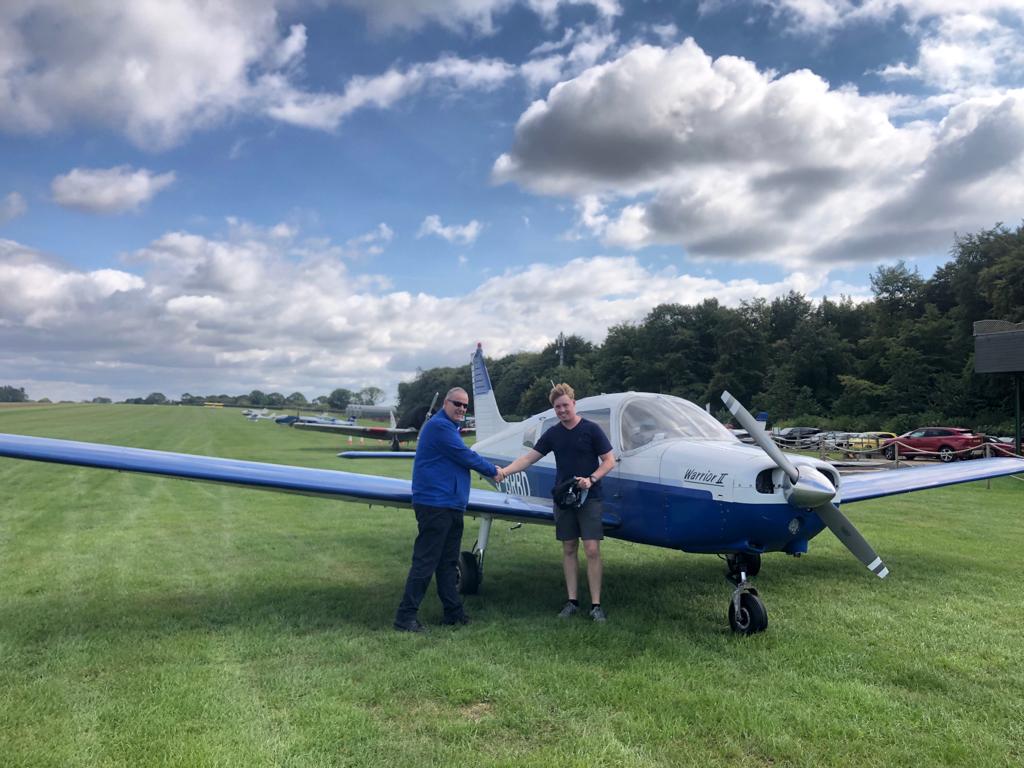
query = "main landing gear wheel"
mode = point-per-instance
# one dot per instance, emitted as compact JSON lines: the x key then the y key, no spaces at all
{"x":469,"y":574}
{"x":750,"y":617}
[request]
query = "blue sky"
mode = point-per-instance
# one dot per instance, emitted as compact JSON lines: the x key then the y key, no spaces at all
{"x":300,"y":195}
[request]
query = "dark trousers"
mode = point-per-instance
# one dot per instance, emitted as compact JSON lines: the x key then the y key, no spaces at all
{"x":436,"y":551}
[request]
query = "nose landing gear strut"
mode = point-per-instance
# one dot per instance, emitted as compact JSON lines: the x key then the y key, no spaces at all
{"x":747,"y":614}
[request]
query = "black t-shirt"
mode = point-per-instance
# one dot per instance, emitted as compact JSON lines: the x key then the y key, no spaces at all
{"x":577,"y":451}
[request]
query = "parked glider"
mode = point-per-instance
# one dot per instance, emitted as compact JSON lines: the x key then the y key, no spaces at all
{"x":681,"y":481}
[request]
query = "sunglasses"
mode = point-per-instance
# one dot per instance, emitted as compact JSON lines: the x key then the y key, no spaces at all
{"x":457,"y":404}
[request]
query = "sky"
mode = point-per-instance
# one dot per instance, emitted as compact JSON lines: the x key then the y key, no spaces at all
{"x":300,"y":195}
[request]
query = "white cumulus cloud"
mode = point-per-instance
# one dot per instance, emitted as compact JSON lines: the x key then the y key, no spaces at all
{"x":158,"y":70}
{"x":108,"y":190}
{"x":453,"y":233}
{"x":12,"y":206}
{"x":251,"y":310}
{"x":672,"y":146}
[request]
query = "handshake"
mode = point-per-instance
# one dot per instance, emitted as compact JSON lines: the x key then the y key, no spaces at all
{"x":502,"y":474}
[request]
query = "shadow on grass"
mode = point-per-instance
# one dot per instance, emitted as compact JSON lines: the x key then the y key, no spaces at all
{"x":688,"y":596}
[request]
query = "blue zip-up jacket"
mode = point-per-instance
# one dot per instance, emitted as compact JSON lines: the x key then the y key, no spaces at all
{"x":440,"y":471}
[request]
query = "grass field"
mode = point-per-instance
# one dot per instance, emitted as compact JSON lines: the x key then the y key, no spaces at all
{"x":156,"y":622}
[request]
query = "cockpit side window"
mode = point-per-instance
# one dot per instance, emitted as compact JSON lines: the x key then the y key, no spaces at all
{"x":650,"y":420}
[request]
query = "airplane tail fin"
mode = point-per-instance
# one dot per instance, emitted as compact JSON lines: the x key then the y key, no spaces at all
{"x":485,"y":406}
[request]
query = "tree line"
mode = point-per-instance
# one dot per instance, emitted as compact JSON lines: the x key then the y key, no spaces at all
{"x":338,"y":400}
{"x":898,"y":361}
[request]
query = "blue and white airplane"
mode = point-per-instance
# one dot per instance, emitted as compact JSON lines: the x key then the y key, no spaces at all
{"x":681,"y":481}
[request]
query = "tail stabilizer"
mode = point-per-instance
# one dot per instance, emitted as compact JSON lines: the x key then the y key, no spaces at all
{"x":485,"y":406}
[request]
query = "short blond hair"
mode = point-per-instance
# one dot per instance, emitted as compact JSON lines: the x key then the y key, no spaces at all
{"x":561,"y":389}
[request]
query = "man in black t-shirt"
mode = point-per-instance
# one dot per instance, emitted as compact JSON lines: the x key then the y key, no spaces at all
{"x":582,"y":453}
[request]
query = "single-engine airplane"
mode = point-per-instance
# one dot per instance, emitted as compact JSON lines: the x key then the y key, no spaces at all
{"x":681,"y":481}
{"x":405,"y":433}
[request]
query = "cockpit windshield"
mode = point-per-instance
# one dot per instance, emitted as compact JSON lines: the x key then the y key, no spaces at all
{"x":648,"y":420}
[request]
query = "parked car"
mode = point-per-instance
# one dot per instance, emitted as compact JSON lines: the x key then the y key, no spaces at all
{"x":998,"y":446}
{"x":948,"y":443}
{"x":797,"y":437}
{"x":868,"y":441}
{"x":832,"y":439}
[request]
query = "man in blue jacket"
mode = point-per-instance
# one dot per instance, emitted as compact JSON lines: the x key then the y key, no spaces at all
{"x":440,"y":492}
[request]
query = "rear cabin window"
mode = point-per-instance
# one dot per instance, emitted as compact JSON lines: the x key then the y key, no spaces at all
{"x":601,"y":416}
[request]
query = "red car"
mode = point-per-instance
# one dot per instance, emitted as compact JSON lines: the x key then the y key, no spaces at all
{"x":997,"y":447}
{"x":947,"y":443}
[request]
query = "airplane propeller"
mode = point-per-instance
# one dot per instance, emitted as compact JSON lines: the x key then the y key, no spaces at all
{"x":806,"y":487}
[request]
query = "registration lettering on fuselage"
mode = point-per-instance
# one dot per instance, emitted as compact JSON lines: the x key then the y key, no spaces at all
{"x":516,"y":485}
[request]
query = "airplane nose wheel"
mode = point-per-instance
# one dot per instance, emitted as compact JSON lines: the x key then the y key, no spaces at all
{"x":747,"y":614}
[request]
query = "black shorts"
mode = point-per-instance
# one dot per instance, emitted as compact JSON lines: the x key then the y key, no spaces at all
{"x":583,"y":523}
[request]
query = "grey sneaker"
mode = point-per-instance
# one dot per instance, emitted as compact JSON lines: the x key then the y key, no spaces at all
{"x":597,"y":614}
{"x":568,"y":611}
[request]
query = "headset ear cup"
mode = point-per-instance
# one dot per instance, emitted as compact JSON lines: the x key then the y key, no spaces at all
{"x":568,"y":496}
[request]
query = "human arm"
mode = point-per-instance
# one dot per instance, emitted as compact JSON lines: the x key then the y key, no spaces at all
{"x":527,"y":459}
{"x":607,"y":465}
{"x":451,"y":444}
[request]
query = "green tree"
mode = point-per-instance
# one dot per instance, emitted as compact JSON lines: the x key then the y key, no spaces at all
{"x":9,"y":394}
{"x":339,"y":399}
{"x":370,"y":395}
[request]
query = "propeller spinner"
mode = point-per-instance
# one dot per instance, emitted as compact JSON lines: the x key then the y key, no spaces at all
{"x":807,"y":488}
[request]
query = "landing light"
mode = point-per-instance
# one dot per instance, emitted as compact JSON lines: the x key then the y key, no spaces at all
{"x":794,"y":525}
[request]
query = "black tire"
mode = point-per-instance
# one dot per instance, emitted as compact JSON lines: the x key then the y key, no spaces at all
{"x":468,"y":582}
{"x":890,"y":453}
{"x":752,"y":618}
{"x":947,"y":454}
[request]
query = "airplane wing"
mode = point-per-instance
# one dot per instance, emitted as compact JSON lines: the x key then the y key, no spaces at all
{"x":350,"y":486}
{"x":407,"y":455}
{"x":890,"y":482}
{"x":355,"y":430}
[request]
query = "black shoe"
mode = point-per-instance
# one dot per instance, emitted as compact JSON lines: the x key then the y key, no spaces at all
{"x":457,"y":621}
{"x":412,"y":625}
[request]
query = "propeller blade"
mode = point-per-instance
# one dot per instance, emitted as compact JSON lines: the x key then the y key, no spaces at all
{"x":810,"y":488}
{"x":845,"y":531}
{"x":756,"y":431}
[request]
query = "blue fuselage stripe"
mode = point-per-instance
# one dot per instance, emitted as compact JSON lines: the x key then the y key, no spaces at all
{"x":688,"y":519}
